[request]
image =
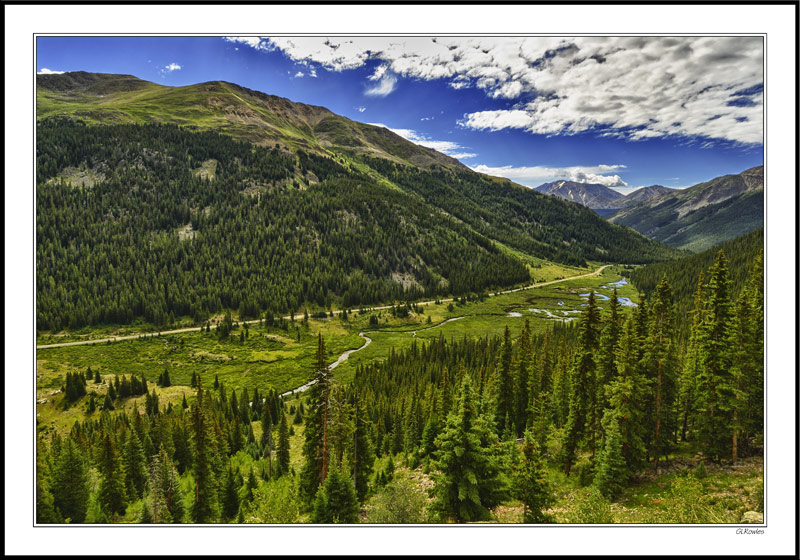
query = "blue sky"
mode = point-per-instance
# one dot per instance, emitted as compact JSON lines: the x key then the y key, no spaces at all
{"x":625,"y":111}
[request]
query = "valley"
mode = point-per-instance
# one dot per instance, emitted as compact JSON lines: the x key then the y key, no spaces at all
{"x":253,"y":310}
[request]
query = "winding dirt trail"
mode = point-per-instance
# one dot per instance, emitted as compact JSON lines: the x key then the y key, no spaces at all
{"x":288,"y":317}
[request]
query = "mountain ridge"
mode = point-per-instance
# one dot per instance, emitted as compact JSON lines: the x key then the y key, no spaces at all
{"x":702,"y":215}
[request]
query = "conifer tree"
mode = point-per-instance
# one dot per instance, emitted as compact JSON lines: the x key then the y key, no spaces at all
{"x":692,"y":362}
{"x":530,"y":485}
{"x":204,"y":508}
{"x":627,"y":397}
{"x":470,"y":481}
{"x":112,"y":496}
{"x":282,"y":455}
{"x":659,"y":362}
{"x":505,"y":386}
{"x":71,"y":483}
{"x":521,"y":396}
{"x":135,"y":466}
{"x":230,"y":496}
{"x":46,"y":511}
{"x":749,"y":369}
{"x":336,"y":501}
{"x":582,"y":403}
{"x":363,"y":455}
{"x":715,"y":381}
{"x":612,"y":472}
{"x":315,"y":448}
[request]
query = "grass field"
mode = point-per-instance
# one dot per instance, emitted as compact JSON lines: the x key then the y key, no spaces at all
{"x":274,"y":358}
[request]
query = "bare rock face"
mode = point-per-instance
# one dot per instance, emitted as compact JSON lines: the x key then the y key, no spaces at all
{"x":752,"y":517}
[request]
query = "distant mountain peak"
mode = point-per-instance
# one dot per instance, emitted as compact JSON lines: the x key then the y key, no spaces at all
{"x":591,"y":195}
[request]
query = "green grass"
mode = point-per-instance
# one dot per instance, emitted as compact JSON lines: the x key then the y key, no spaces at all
{"x":270,"y":358}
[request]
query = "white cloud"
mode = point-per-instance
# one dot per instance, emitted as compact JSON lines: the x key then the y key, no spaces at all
{"x":48,"y":71}
{"x":444,"y":146}
{"x":536,"y":175}
{"x":631,"y":87}
{"x":386,"y":82}
{"x":427,"y":118}
{"x":172,"y":66}
{"x":361,"y":109}
{"x":299,"y":75}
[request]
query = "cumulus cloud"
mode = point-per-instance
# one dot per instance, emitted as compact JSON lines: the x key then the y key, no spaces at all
{"x":361,"y":109}
{"x":299,"y":75}
{"x":536,"y":175}
{"x":172,"y":66}
{"x":48,"y":71}
{"x":444,"y":146}
{"x":632,"y":87}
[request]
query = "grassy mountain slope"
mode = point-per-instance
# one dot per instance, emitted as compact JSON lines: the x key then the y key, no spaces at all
{"x":290,"y":205}
{"x":703,"y":215}
{"x":224,"y":107}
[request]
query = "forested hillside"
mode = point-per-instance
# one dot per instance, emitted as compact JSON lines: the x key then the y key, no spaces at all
{"x":156,"y":222}
{"x":683,"y":274}
{"x":601,"y":404}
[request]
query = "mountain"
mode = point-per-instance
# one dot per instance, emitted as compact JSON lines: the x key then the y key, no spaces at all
{"x":640,"y":195}
{"x":591,"y":195}
{"x":224,"y":107}
{"x":158,"y":202}
{"x":701,"y":216}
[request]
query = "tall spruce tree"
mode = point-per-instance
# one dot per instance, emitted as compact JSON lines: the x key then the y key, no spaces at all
{"x":315,"y":448}
{"x":582,"y":396}
{"x":71,"y":483}
{"x":135,"y":465}
{"x":111,"y":496}
{"x":46,"y":511}
{"x":522,"y":382}
{"x":660,"y":367}
{"x":204,"y":507}
{"x":715,"y":380}
{"x":470,"y":480}
{"x":505,"y":384}
{"x":282,"y":456}
{"x":530,"y":485}
{"x":336,"y":500}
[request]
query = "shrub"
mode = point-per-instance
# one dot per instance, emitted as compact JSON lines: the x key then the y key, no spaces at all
{"x":589,"y":507}
{"x":400,"y":501}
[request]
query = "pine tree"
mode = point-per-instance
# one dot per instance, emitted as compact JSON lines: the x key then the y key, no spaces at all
{"x":660,"y":366}
{"x":135,"y":466}
{"x":112,"y":496}
{"x":336,"y":501}
{"x":627,"y":396}
{"x":505,"y":386}
{"x":715,"y":381}
{"x":612,"y":472}
{"x":692,"y":362}
{"x":530,"y":485}
{"x":363,"y":455}
{"x":204,"y":508}
{"x":71,"y":483}
{"x":521,"y":396}
{"x":470,"y":481}
{"x":582,"y":398}
{"x":315,"y":447}
{"x":230,"y":496}
{"x":282,"y":455}
{"x":46,"y":511}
